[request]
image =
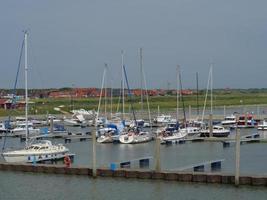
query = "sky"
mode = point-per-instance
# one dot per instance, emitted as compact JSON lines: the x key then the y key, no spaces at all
{"x":70,"y":42}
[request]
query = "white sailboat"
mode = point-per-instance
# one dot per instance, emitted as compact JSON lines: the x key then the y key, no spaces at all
{"x":134,"y":134}
{"x":40,"y":151}
{"x":216,"y":131}
{"x":174,"y":134}
{"x":133,"y":137}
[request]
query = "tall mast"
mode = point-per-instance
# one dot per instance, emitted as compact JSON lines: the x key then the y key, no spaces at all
{"x":26,"y":84}
{"x":141,"y":79}
{"x":111,"y":97}
{"x":211,"y":95}
{"x":197,"y":96}
{"x":182,"y":98}
{"x":122,"y":78}
{"x":177,"y":92}
{"x":105,"y":85}
{"x":101,"y":93}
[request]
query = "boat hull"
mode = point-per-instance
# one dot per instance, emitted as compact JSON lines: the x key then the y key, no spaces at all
{"x":33,"y":157}
{"x":176,"y":137}
{"x":104,"y":139}
{"x":215,"y":134}
{"x":134,"y":139}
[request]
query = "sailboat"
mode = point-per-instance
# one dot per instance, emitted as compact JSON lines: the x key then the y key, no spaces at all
{"x":110,"y":130}
{"x":173,"y":133}
{"x":134,"y":134}
{"x":40,"y":151}
{"x":216,"y":131}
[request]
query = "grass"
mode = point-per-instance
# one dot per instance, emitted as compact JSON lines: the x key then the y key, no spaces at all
{"x":221,"y":98}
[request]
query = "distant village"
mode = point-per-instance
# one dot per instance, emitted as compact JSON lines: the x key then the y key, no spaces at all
{"x":7,"y":98}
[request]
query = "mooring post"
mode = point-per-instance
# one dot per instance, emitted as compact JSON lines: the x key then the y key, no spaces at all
{"x":157,"y":155}
{"x":189,"y":112}
{"x":237,"y":157}
{"x":51,"y":125}
{"x":211,"y":126}
{"x":94,"y":144}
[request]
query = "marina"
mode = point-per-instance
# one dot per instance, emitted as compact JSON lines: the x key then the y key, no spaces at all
{"x":133,"y":100}
{"x":185,"y":152}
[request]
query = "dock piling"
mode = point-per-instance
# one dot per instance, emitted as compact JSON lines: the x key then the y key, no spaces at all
{"x":157,"y":155}
{"x":237,"y":157}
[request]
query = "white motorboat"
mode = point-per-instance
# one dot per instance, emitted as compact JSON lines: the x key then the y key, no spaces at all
{"x":262,"y":126}
{"x":190,"y":130}
{"x":41,"y":151}
{"x":217,"y":131}
{"x":21,"y":130}
{"x":229,"y":120}
{"x":163,"y":119}
{"x":132,"y":137}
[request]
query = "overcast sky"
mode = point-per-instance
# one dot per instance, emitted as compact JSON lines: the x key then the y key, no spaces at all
{"x":70,"y":40}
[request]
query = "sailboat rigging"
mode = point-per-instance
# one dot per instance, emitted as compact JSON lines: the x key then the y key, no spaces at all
{"x":37,"y":152}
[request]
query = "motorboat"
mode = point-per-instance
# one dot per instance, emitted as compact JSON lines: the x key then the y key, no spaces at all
{"x":229,"y":120}
{"x":246,"y":121}
{"x":191,"y":130}
{"x":217,"y":131}
{"x":161,"y":119}
{"x":263,"y":125}
{"x":41,"y":151}
{"x":21,"y":130}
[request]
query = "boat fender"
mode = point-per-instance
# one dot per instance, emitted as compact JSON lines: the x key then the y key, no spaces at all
{"x":67,"y":161}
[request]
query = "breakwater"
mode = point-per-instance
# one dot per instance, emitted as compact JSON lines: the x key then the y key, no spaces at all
{"x":200,"y":177}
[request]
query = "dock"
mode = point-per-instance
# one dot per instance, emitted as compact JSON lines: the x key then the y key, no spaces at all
{"x":215,"y":165}
{"x":196,"y":177}
{"x":69,"y":139}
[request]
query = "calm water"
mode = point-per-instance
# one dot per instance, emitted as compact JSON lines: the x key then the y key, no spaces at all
{"x":14,"y":185}
{"x":253,"y":156}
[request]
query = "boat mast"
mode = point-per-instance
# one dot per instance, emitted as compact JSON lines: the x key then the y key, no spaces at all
{"x":197,"y":96}
{"x":177,"y":93}
{"x":146,"y":92}
{"x":182,"y":98}
{"x":26,"y":84}
{"x":206,"y":96}
{"x":122,"y":77}
{"x":101,"y":93}
{"x":105,"y":85}
{"x":211,"y":95}
{"x":130,"y":95}
{"x":111,"y":97}
{"x":141,"y":79}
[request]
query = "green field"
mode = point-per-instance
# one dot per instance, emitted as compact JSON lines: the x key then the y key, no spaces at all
{"x":221,"y":98}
